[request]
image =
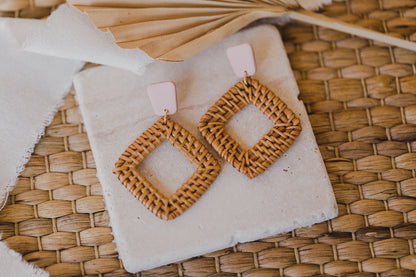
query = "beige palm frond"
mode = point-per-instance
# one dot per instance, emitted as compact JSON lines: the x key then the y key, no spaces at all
{"x":174,"y":30}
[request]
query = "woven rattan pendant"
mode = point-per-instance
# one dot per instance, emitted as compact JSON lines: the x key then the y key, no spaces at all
{"x":286,"y":126}
{"x":207,"y":167}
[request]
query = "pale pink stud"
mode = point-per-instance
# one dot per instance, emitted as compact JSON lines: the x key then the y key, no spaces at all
{"x":163,"y":97}
{"x":242,"y":59}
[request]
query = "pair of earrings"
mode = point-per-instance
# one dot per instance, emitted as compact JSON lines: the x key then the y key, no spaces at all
{"x":286,"y":127}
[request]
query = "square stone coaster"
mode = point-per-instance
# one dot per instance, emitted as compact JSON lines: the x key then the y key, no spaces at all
{"x":294,"y":192}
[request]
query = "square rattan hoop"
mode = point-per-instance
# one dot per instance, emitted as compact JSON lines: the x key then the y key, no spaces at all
{"x":286,"y":127}
{"x":207,"y":169}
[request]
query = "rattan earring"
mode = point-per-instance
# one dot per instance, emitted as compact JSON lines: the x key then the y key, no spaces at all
{"x":163,"y":99}
{"x":286,"y":126}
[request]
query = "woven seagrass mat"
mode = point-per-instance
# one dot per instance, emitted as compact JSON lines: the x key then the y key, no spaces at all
{"x":362,"y":105}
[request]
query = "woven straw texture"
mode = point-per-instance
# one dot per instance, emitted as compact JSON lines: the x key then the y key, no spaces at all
{"x":362,"y":104}
{"x":254,"y":161}
{"x":207,"y":169}
{"x":394,"y":17}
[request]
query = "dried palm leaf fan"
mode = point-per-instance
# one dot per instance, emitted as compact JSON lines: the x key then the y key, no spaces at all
{"x":174,"y":30}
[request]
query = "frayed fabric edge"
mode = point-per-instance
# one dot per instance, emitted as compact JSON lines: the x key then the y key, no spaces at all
{"x":4,"y":192}
{"x":36,"y":271}
{"x":36,"y":136}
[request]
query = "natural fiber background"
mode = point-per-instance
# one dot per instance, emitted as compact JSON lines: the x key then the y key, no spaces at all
{"x":361,"y":98}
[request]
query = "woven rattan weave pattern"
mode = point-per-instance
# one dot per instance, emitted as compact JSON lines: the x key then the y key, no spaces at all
{"x":362,"y":105}
{"x":207,"y":169}
{"x":254,"y":161}
{"x":393,"y":17}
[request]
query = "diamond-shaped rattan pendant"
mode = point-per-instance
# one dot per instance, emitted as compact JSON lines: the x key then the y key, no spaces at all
{"x":286,"y":127}
{"x":207,"y":169}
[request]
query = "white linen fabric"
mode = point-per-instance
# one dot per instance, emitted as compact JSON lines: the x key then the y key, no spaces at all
{"x":294,"y":192}
{"x":31,"y":90}
{"x":68,"y":33}
{"x":12,"y":264}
